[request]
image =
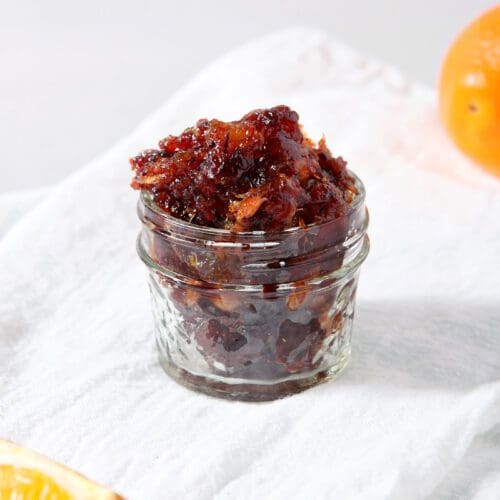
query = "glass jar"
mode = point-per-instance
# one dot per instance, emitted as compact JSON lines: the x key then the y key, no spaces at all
{"x":253,"y":316}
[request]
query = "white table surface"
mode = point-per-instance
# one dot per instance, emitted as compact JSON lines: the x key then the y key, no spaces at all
{"x":75,"y":77}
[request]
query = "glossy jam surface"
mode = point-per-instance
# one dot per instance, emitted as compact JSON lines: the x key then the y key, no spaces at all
{"x":257,"y":173}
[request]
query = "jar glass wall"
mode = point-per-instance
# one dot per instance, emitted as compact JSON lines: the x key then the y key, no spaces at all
{"x":253,"y":316}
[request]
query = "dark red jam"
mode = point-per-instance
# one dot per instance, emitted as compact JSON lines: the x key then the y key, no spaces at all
{"x":257,"y":173}
{"x":250,"y":315}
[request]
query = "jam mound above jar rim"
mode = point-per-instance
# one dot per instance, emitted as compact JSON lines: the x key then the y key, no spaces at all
{"x":186,"y":227}
{"x":259,"y":173}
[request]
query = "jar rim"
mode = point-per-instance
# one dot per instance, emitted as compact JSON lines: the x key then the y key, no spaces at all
{"x":174,"y":222}
{"x":318,"y":282}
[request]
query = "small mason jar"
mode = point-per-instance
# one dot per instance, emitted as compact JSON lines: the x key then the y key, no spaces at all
{"x":253,"y":316}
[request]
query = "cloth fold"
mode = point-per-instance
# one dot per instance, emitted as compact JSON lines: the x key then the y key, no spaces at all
{"x":13,"y":205}
{"x":417,"y":413}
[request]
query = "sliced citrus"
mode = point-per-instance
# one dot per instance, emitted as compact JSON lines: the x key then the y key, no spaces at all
{"x":26,"y":475}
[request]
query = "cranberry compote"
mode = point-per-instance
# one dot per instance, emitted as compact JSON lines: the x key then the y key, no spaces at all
{"x":256,"y":174}
{"x":253,"y":237}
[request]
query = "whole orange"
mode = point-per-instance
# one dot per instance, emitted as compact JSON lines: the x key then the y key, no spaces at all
{"x":469,"y":91}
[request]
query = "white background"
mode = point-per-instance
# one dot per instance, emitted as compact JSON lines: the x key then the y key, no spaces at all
{"x":77,"y":76}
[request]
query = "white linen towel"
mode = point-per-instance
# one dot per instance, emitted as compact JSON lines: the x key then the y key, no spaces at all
{"x":13,"y":205}
{"x":416,"y":414}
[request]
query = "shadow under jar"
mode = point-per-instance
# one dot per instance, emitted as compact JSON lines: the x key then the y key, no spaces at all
{"x":253,"y":316}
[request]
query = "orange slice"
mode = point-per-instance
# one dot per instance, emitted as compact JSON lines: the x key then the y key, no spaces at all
{"x":26,"y":475}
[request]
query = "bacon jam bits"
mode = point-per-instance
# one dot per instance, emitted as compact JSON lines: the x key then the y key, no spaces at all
{"x":257,"y":173}
{"x":264,"y":308}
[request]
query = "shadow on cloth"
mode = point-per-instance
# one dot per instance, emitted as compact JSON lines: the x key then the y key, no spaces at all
{"x":435,"y":345}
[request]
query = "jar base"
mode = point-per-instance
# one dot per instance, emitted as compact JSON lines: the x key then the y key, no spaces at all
{"x":253,"y":391}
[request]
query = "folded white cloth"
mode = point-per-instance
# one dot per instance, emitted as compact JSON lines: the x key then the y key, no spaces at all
{"x":13,"y":205}
{"x":416,"y":414}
